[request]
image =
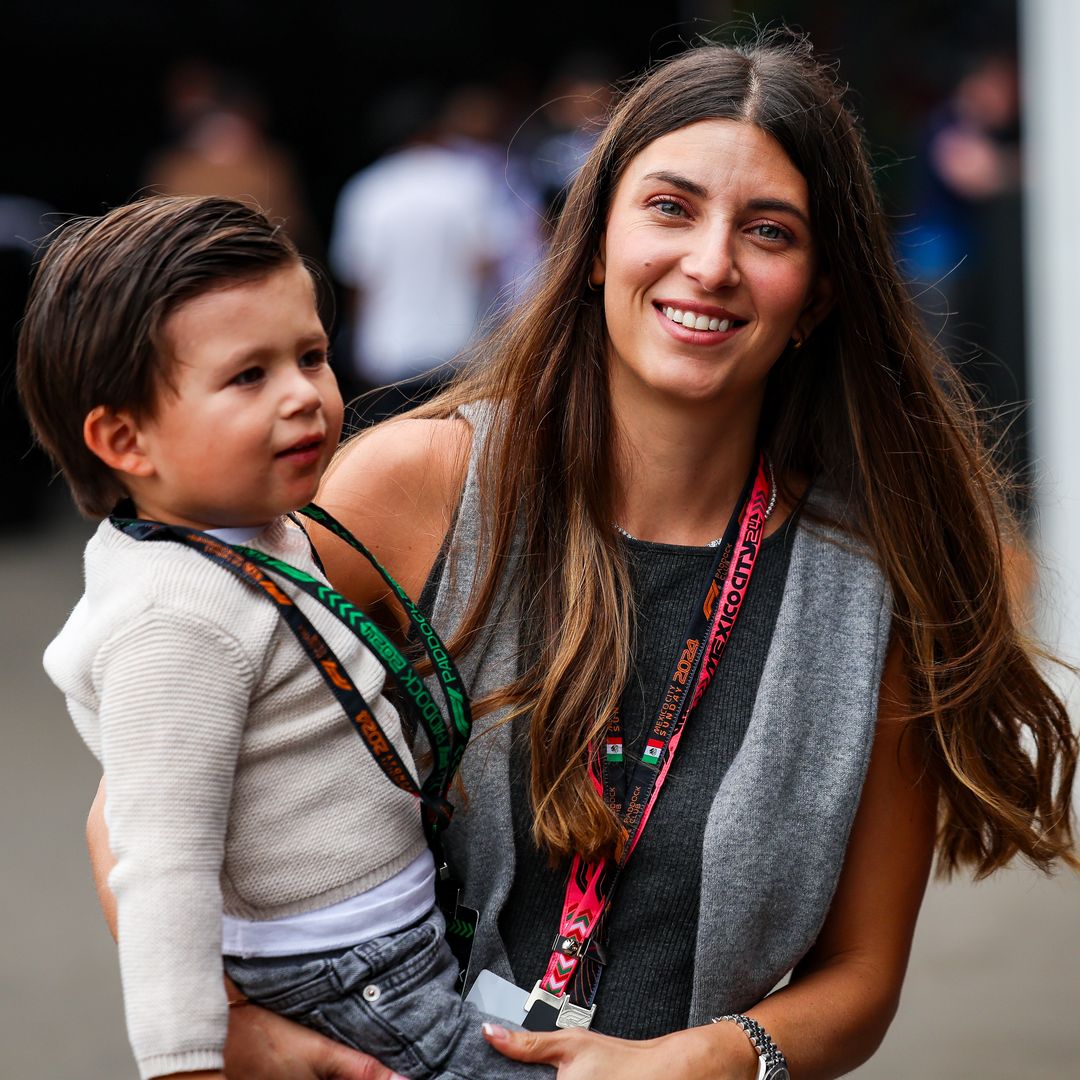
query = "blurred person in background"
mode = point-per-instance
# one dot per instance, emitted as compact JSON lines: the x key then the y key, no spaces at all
{"x":576,"y":103}
{"x":220,"y":146}
{"x":964,"y":244}
{"x":417,"y":239}
{"x":478,"y":125}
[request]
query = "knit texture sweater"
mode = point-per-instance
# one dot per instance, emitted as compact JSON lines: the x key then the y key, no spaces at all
{"x":778,"y":822}
{"x":235,"y":781}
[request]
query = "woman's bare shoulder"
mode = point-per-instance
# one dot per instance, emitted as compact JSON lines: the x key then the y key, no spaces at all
{"x":396,"y":486}
{"x":412,"y":459}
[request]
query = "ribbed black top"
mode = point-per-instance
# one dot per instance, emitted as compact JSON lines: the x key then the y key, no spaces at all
{"x":667,"y":581}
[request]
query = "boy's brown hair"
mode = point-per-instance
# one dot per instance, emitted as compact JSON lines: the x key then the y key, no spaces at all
{"x":92,"y":334}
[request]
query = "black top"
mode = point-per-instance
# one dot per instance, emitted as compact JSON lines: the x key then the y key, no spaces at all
{"x":667,"y":581}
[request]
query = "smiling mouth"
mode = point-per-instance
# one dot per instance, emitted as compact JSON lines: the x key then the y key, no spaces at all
{"x":692,"y":320}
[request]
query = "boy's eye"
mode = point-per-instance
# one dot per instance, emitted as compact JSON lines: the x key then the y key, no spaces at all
{"x":247,"y":376}
{"x":314,"y":358}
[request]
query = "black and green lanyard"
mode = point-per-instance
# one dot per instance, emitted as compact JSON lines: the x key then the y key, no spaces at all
{"x":447,"y":737}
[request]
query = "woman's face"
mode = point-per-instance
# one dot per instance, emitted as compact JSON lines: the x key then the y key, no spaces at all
{"x":708,"y":264}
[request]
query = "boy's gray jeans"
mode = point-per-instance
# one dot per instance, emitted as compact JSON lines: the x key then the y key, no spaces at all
{"x":392,"y":997}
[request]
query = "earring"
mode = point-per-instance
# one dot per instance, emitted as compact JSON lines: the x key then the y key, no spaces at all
{"x":797,"y":343}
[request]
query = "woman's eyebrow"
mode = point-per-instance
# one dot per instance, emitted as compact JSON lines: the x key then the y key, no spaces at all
{"x":781,"y":206}
{"x":691,"y":187}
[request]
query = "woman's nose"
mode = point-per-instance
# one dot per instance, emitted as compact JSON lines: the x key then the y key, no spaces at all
{"x":710,"y":259}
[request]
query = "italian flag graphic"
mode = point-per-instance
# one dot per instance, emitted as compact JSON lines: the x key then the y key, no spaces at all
{"x":613,"y":749}
{"x":653,"y":749}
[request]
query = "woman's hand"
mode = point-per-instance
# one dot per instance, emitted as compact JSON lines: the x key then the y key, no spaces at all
{"x":712,"y":1052}
{"x":201,"y":1075}
{"x":265,"y":1046}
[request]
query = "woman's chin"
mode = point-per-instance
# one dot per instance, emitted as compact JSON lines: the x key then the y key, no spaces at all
{"x":695,"y":393}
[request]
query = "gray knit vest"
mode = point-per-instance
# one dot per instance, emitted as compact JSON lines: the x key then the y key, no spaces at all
{"x":779,"y":823}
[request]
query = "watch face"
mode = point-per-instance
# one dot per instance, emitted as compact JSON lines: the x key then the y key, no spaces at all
{"x":777,"y":1072}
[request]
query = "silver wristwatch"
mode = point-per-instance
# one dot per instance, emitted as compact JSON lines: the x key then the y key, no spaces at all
{"x":772,"y":1065}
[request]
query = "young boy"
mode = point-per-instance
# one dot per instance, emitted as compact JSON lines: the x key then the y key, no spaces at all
{"x":172,"y":357}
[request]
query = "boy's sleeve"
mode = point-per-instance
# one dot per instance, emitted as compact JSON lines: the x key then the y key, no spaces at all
{"x":174,"y":698}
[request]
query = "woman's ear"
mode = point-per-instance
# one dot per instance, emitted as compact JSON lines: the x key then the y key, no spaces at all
{"x":820,"y":303}
{"x":115,"y":438}
{"x":598,"y":272}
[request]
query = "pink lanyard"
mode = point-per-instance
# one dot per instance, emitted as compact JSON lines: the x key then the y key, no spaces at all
{"x":590,"y":886}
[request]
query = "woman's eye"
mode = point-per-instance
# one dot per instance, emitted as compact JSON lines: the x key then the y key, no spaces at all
{"x":669,"y":207}
{"x":248,"y":376}
{"x":767,"y":230}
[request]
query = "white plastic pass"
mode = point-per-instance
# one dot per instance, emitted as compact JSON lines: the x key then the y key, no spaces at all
{"x":493,"y":994}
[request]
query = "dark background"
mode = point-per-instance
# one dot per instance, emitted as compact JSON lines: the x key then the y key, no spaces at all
{"x":82,"y":87}
{"x":83,"y":107}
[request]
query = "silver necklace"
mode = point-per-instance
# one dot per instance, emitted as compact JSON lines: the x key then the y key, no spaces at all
{"x":719,"y":539}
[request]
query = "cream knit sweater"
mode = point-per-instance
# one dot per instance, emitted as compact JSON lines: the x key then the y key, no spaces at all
{"x":235,"y":782}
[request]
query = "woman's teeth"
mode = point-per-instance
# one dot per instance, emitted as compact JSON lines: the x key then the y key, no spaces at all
{"x":696,"y":322}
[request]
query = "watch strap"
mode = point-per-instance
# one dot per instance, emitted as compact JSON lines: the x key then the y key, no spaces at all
{"x":770,"y":1055}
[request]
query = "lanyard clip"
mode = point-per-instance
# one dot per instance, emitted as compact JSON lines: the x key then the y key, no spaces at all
{"x":576,"y":949}
{"x":545,"y":1011}
{"x":569,"y":946}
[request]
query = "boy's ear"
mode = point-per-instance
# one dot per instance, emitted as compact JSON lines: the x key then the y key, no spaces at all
{"x":114,"y":437}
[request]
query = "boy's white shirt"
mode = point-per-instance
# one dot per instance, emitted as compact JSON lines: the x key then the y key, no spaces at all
{"x":390,"y":906}
{"x":234,"y":782}
{"x":237,"y":534}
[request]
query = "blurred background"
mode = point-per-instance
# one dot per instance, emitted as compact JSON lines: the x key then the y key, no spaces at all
{"x":422,"y":153}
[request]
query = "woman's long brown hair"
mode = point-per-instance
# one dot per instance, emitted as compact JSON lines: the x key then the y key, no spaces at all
{"x":870,"y":407}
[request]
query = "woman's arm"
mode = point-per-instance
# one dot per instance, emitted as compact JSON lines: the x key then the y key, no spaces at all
{"x":102,"y":860}
{"x":858,"y":963}
{"x":396,"y":488}
{"x":842,"y":997}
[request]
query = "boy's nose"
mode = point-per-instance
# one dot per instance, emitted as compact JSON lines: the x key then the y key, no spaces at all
{"x":301,"y":395}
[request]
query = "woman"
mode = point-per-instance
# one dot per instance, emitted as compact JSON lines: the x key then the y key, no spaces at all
{"x":721,"y":282}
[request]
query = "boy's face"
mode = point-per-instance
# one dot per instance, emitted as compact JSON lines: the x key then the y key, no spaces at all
{"x":256,"y":412}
